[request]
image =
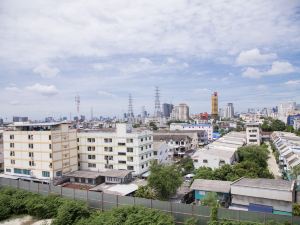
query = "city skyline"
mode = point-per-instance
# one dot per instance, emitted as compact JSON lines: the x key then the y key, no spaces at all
{"x":249,"y":53}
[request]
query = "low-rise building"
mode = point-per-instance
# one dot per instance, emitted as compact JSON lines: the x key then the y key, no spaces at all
{"x":253,"y":133}
{"x":278,"y":195}
{"x":202,"y":187}
{"x":220,"y":152}
{"x":162,"y":153}
{"x":207,"y":128}
{"x":120,"y":148}
{"x":44,"y":151}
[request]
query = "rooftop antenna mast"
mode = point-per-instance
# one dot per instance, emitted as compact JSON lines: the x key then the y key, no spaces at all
{"x":157,"y":110}
{"x":130,"y":109}
{"x":77,"y":103}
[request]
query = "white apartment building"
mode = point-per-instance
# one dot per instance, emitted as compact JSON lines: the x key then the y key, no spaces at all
{"x":162,"y":153}
{"x":181,"y":112}
{"x":43,"y":151}
{"x":206,"y":127}
{"x":120,"y":148}
{"x":253,"y":134}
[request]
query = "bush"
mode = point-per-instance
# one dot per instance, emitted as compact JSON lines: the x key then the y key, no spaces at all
{"x":191,"y":221}
{"x":131,"y":215}
{"x":296,"y":209}
{"x":5,"y":208}
{"x":70,"y":212}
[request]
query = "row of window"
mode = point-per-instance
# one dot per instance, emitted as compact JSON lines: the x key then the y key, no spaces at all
{"x":106,"y":149}
{"x":107,"y":166}
{"x":30,"y":145}
{"x":109,"y":140}
{"x":145,"y":156}
{"x":30,"y":137}
{"x":31,"y":154}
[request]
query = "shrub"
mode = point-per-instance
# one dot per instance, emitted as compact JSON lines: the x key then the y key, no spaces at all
{"x":5,"y":207}
{"x":191,"y":221}
{"x":70,"y":212}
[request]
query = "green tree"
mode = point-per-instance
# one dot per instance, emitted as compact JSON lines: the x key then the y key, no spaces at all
{"x":278,"y":125}
{"x":191,"y":221}
{"x":145,"y":192}
{"x":210,"y":199}
{"x":164,"y":179}
{"x":70,"y":212}
{"x":187,"y":165}
{"x":256,"y":154}
{"x":204,"y":173}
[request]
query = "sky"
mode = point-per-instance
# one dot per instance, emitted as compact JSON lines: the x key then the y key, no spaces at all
{"x":53,"y":50}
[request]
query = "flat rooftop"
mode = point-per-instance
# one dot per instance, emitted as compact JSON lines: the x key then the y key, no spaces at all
{"x":211,"y":185}
{"x":26,"y":124}
{"x":94,"y":174}
{"x":283,"y":185}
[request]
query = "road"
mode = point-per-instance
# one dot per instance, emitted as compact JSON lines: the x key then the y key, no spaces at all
{"x":272,"y":165}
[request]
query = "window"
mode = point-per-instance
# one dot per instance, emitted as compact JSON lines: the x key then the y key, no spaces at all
{"x":155,"y":153}
{"x":130,"y":167}
{"x":107,"y":166}
{"x":31,"y":163}
{"x":195,"y":160}
{"x":50,"y":155}
{"x":108,"y":157}
{"x":122,"y":162}
{"x":30,"y":137}
{"x":121,"y":144}
{"x":30,"y":146}
{"x":129,"y":140}
{"x":77,"y":147}
{"x":252,"y":135}
{"x":77,"y":139}
{"x":12,"y":145}
{"x":92,"y":165}
{"x":45,"y":174}
{"x":8,"y":170}
{"x":142,"y":139}
{"x":91,"y":140}
{"x":18,"y":171}
{"x":91,"y":148}
{"x":142,"y":157}
{"x":30,"y":154}
{"x":130,"y":159}
{"x":78,"y":156}
{"x":121,"y":153}
{"x":149,"y":146}
{"x":129,"y":149}
{"x":12,"y":161}
{"x":142,"y":166}
{"x":76,"y":179}
{"x":12,"y":153}
{"x":91,"y":157}
{"x":50,"y":146}
{"x":90,"y":181}
{"x":58,"y":173}
{"x":11,"y":137}
{"x":222,"y":162}
{"x":108,"y":149}
{"x":142,"y":148}
{"x":107,"y":140}
{"x":50,"y":165}
{"x":49,"y":137}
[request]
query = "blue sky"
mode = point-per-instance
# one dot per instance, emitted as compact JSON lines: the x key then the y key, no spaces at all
{"x":248,"y":51}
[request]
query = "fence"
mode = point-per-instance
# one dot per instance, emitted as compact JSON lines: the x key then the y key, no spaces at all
{"x":179,"y":211}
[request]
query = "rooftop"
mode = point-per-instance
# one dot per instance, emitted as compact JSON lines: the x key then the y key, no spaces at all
{"x":283,"y":185}
{"x":211,"y":185}
{"x":94,"y":174}
{"x":27,"y":124}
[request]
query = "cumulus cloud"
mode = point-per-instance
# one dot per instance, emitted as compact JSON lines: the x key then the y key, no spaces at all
{"x":293,"y":82}
{"x":47,"y":90}
{"x":277,"y":68}
{"x":45,"y":71}
{"x":254,"y":57}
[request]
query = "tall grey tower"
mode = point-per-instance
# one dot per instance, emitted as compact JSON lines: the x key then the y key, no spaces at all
{"x":130,"y":115}
{"x":157,"y":110}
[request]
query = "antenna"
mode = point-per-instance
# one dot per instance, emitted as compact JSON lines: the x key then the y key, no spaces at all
{"x":157,"y":110}
{"x":130,"y":109}
{"x":77,"y":103}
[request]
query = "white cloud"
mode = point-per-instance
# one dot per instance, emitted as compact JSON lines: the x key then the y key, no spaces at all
{"x":280,"y":67}
{"x":106,"y":94}
{"x":12,"y":88}
{"x":101,"y":66}
{"x":45,"y":71}
{"x":277,"y":68}
{"x":47,"y":90}
{"x":262,"y":87}
{"x":254,"y":57}
{"x":293,"y":82}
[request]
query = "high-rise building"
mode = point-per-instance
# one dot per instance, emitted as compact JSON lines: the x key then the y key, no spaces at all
{"x":157,"y":109}
{"x":181,"y":112}
{"x":167,"y":109}
{"x":229,"y":111}
{"x":214,"y":105}
{"x":40,"y":150}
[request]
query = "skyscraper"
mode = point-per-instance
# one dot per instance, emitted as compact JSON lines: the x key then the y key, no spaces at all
{"x":214,"y":105}
{"x":157,"y":110}
{"x":229,"y":111}
{"x":167,"y":109}
{"x":181,"y":112}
